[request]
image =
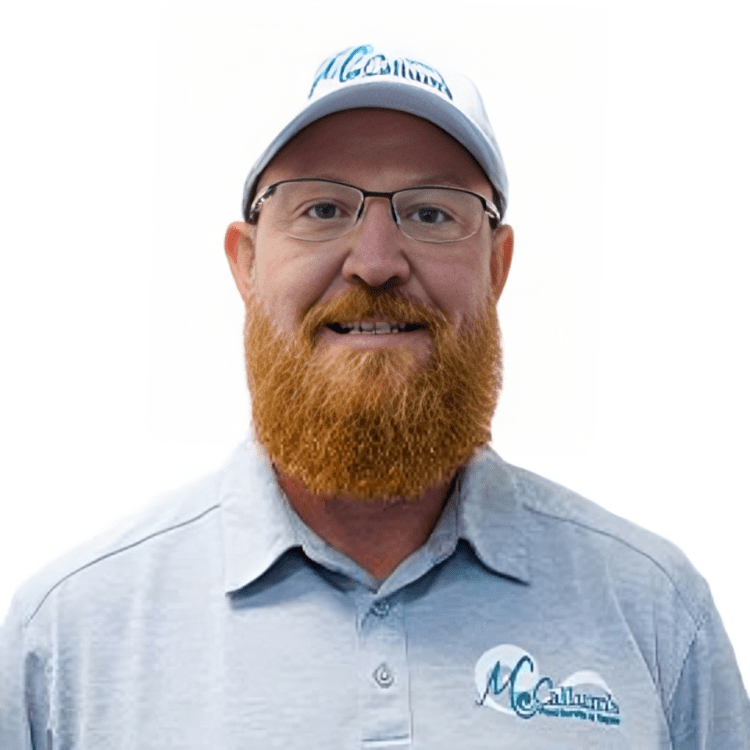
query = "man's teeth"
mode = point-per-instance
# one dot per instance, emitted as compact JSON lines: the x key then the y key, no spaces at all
{"x":372,"y":327}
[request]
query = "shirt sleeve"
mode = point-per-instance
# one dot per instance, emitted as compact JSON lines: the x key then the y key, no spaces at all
{"x":709,"y":709}
{"x":15,"y":733}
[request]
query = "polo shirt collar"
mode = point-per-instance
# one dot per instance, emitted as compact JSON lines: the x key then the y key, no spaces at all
{"x":258,"y":525}
{"x":491,"y":516}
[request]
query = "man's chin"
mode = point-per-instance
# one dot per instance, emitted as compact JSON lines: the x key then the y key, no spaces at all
{"x":364,"y":369}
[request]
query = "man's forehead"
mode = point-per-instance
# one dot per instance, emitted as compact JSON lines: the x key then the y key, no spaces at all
{"x":376,"y":137}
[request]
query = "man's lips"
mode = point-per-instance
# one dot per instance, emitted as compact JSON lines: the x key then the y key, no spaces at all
{"x":373,"y":327}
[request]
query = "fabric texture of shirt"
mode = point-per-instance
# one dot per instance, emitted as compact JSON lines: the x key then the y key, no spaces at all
{"x":531,"y":618}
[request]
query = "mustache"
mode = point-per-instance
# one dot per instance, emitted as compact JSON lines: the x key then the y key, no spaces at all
{"x":361,"y":304}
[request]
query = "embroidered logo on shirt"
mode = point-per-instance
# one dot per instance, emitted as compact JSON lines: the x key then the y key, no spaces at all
{"x":509,"y":680}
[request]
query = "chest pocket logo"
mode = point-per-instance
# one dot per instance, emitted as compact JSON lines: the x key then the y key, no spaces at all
{"x":508,"y":680}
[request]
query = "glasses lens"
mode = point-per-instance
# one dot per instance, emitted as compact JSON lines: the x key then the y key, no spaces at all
{"x":315,"y":210}
{"x":438,"y":214}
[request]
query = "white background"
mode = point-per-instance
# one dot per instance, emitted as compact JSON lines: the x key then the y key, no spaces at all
{"x":127,"y":132}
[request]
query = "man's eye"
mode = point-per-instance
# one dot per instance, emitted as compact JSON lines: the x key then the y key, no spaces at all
{"x":429,"y":215}
{"x":324,"y":211}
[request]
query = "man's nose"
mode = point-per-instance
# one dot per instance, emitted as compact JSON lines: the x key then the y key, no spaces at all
{"x":376,"y":253}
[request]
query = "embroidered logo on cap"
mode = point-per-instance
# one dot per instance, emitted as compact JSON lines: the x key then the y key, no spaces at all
{"x":508,"y":680}
{"x":363,"y":62}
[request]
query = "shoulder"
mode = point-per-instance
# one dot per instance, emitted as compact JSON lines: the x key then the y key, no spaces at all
{"x":584,"y":533}
{"x":167,"y":516}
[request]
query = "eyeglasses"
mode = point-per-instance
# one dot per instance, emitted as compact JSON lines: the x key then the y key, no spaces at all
{"x":321,"y":210}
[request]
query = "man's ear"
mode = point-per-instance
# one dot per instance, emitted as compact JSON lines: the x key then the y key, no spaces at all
{"x":239,"y":246}
{"x":502,"y":254}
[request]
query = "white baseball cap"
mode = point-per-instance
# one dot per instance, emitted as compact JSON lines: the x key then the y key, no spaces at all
{"x":368,"y":76}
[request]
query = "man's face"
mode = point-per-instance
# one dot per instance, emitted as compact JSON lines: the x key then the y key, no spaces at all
{"x":358,"y":413}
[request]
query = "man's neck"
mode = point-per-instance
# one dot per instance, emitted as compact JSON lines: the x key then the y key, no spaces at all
{"x":378,"y":534}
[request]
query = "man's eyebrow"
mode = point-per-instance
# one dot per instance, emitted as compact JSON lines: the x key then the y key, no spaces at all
{"x":442,"y":179}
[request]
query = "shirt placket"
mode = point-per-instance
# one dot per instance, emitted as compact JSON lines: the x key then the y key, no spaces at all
{"x":383,"y":675}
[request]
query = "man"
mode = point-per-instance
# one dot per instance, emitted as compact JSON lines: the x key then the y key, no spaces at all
{"x":366,"y":571}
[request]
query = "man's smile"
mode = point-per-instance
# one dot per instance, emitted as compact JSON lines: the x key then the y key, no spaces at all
{"x":374,"y":327}
{"x":374,"y":334}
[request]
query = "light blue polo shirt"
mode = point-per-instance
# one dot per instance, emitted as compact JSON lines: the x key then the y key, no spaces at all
{"x":530,"y":619}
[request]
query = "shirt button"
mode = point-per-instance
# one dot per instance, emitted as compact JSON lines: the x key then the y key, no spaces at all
{"x":383,"y":676}
{"x":380,"y":608}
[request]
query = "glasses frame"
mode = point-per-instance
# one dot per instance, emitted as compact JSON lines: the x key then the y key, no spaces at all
{"x":489,"y":207}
